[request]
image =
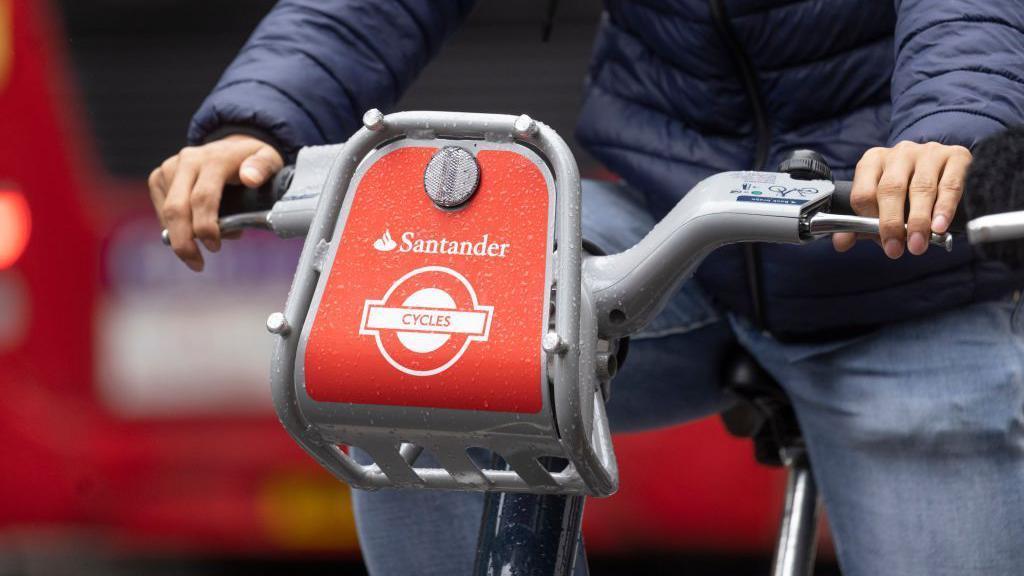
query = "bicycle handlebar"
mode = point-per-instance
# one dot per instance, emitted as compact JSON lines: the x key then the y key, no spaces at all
{"x":243,"y":207}
{"x":823,"y":223}
{"x":841,"y":205}
{"x":841,"y":217}
{"x":586,"y":304}
{"x":841,"y":198}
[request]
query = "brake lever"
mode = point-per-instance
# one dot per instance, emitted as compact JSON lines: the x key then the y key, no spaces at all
{"x":822,"y":223}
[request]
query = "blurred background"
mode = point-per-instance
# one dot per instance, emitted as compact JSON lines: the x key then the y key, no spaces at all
{"x":135,"y":421}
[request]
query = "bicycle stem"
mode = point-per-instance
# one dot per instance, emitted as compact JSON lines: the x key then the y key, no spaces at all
{"x":630,"y":288}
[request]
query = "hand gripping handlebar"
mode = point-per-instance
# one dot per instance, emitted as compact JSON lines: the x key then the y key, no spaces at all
{"x":243,"y":208}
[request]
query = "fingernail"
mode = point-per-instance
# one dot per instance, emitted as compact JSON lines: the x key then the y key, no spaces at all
{"x":893,"y":248}
{"x":917,"y":244}
{"x":251,"y":172}
{"x":211,"y":245}
{"x":195,"y":265}
{"x":939,"y":223}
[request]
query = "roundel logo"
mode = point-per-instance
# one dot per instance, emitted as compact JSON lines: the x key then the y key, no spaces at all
{"x":426,"y":320}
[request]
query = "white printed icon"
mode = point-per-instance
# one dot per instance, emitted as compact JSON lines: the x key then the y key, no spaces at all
{"x":385,"y":243}
{"x":427,"y":320}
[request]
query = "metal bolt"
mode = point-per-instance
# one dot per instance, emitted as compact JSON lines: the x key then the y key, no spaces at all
{"x":373,"y":119}
{"x":553,"y":343}
{"x":165,"y":237}
{"x":278,"y":324}
{"x":524,"y":127}
{"x":607,"y":366}
{"x":944,"y":240}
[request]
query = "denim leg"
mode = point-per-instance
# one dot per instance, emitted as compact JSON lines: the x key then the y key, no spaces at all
{"x":916,"y":436}
{"x":614,"y":217}
{"x":418,"y":532}
{"x":671,"y":379}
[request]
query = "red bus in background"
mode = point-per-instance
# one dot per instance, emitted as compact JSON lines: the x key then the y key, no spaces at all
{"x":135,"y":410}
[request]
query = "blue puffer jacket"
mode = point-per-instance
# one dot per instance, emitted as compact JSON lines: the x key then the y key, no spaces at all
{"x":679,"y":89}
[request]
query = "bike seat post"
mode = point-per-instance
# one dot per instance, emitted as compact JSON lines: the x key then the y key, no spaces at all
{"x":764,"y":414}
{"x":798,"y":531}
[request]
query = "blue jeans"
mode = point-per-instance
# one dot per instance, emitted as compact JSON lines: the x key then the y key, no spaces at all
{"x":915,"y":431}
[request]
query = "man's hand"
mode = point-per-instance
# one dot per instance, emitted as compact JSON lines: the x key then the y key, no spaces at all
{"x":186,"y":189}
{"x":931,"y":175}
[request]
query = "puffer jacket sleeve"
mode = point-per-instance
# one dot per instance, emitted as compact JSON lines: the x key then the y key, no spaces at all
{"x":312,"y":67}
{"x":959,"y":72}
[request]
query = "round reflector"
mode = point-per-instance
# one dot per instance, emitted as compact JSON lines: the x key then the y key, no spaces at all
{"x":452,"y":176}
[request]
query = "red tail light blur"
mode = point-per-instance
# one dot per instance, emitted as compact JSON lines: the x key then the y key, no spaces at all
{"x":15,"y":226}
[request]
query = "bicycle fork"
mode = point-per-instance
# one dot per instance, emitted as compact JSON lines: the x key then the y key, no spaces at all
{"x":531,"y":535}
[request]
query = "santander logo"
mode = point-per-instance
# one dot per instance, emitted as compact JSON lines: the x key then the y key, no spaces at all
{"x":385,"y":243}
{"x":482,"y":246}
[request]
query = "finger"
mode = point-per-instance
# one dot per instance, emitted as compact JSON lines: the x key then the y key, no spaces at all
{"x":923,"y":188}
{"x":951,"y":189}
{"x":157,"y":193}
{"x":843,"y":241}
{"x":862,"y":194}
{"x":232,"y":235}
{"x":892,"y":199}
{"x":863,"y":198}
{"x":159,"y":181}
{"x":854,"y":238}
{"x":166,"y":172}
{"x":260,"y":166}
{"x":205,"y":201}
{"x":177,"y":212}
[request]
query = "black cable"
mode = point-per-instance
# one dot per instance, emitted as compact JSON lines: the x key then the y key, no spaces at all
{"x":751,"y":252}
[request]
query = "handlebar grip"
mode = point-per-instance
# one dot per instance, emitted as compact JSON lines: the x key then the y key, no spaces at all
{"x":841,"y":198}
{"x":238,"y":199}
{"x":242,"y":207}
{"x":841,"y":205}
